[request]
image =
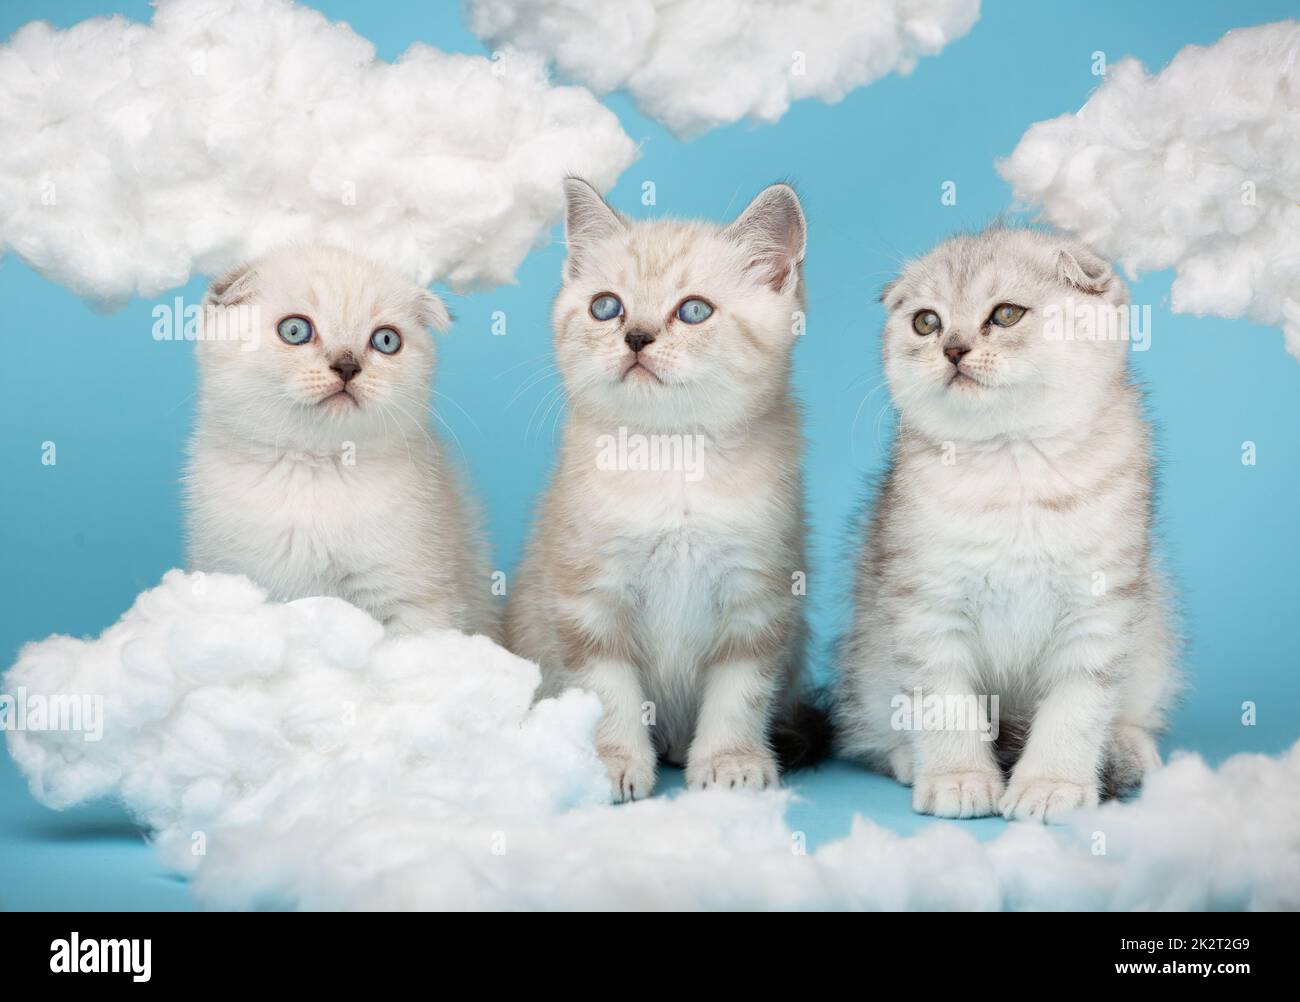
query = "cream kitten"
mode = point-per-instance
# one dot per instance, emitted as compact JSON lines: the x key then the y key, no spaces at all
{"x":1010,"y":553}
{"x":666,"y":569}
{"x":312,"y":469}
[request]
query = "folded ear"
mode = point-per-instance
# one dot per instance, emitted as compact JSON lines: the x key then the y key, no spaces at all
{"x":433,"y":311}
{"x":773,"y":231}
{"x":588,"y":219}
{"x":1085,"y":270}
{"x":234,"y":287}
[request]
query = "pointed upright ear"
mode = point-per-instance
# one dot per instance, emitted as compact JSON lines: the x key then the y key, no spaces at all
{"x":1085,"y":271}
{"x":234,"y":287}
{"x":773,"y":231}
{"x":587,"y":221}
{"x":432,"y":311}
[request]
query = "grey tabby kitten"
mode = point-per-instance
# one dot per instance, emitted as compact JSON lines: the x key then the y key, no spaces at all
{"x":1010,"y":551}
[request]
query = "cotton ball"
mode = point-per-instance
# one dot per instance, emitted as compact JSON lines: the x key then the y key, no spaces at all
{"x":942,"y":866}
{"x":416,"y":772}
{"x":1193,"y":168}
{"x":1292,"y":311}
{"x":1039,"y":867}
{"x":278,"y":125}
{"x":345,"y":634}
{"x":696,"y":66}
{"x":57,"y":775}
{"x":60,"y":766}
{"x":562,"y":731}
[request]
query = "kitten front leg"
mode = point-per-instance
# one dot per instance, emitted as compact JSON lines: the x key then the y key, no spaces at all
{"x":596,"y":653}
{"x":730,"y":748}
{"x":1060,"y":767}
{"x":622,"y":739}
{"x":956,"y":773}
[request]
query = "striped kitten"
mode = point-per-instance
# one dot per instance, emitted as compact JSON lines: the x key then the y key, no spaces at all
{"x":1010,"y":552}
{"x":666,"y":567}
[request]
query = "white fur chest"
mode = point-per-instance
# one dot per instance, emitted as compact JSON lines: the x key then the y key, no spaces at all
{"x":1013,"y":544}
{"x":302,"y":525}
{"x":679,"y":551}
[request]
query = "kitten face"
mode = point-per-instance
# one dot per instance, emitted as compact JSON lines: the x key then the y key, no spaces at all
{"x":342,"y":349}
{"x":980,"y":340}
{"x":673,"y":324}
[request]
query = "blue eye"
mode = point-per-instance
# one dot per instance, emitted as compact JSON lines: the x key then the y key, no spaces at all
{"x":387,"y":340}
{"x":694,"y":311}
{"x":606,"y":307}
{"x":294,"y":330}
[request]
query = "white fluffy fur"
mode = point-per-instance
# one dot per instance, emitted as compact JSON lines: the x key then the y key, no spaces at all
{"x":327,"y":765}
{"x":311,"y":491}
{"x":1010,"y":549}
{"x":654,"y":586}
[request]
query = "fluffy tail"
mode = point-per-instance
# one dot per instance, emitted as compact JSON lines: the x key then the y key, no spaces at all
{"x":804,"y":736}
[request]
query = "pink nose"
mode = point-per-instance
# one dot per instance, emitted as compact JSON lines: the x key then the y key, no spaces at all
{"x":956,"y":353}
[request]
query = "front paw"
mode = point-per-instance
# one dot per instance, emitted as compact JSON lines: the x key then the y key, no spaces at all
{"x":632,"y":774}
{"x":969,"y":794}
{"x":733,"y":770}
{"x":1042,"y":798}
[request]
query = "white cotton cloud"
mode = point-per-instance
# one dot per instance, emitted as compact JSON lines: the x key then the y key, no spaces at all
{"x":317,"y":763}
{"x":135,"y":155}
{"x":695,"y":66}
{"x":1196,"y":169}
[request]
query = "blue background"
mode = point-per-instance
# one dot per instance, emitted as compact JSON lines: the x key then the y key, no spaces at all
{"x":82,"y":538}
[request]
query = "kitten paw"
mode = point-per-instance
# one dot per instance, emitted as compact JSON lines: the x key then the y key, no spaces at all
{"x":972,"y":794}
{"x":1046,"y":799}
{"x":732,"y":771}
{"x":633,"y":775}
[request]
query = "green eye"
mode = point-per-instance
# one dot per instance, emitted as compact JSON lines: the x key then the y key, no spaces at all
{"x":294,"y":330}
{"x":694,"y":311}
{"x":606,"y":307}
{"x":386,"y":340}
{"x":926,"y":322}
{"x":1007,"y":314}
